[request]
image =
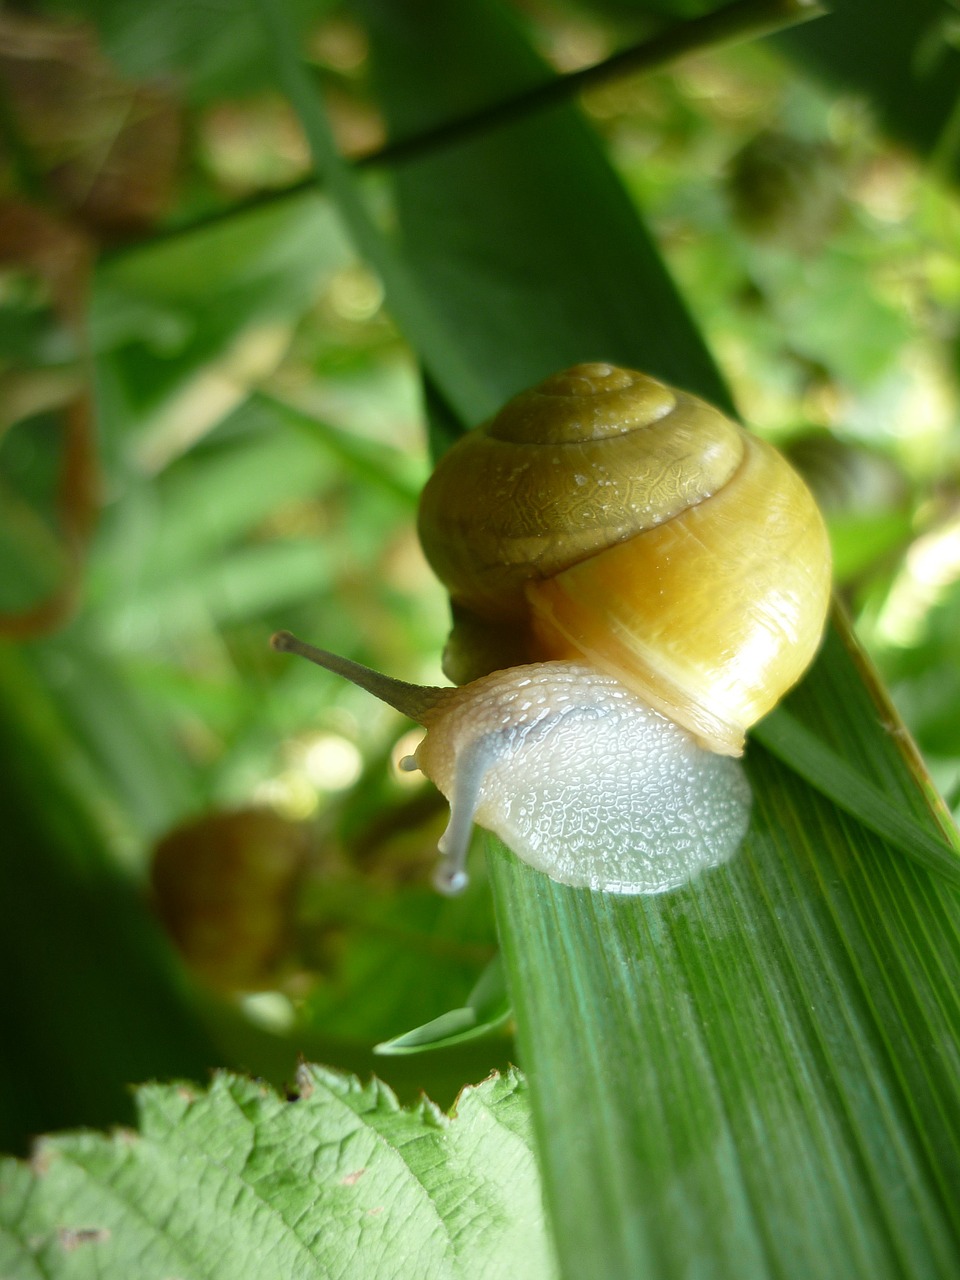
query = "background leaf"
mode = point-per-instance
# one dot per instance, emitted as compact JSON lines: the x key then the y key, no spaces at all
{"x":904,"y":57}
{"x":490,"y":257}
{"x":64,"y":898}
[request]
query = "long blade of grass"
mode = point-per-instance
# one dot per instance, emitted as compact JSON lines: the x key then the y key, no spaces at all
{"x":840,"y":782}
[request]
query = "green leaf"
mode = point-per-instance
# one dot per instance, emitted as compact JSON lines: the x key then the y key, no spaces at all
{"x":530,"y":274}
{"x":409,"y":306}
{"x":840,"y":782}
{"x":91,"y":999}
{"x":212,"y":50}
{"x":399,"y":956}
{"x":754,"y":1080}
{"x":861,"y":541}
{"x":368,"y":462}
{"x":238,"y":1183}
{"x":177,"y":322}
{"x":487,"y":1008}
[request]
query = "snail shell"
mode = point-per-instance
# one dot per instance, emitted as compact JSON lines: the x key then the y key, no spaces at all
{"x":607,"y":518}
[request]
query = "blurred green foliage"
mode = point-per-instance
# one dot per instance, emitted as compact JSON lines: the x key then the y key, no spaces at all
{"x":259,"y":448}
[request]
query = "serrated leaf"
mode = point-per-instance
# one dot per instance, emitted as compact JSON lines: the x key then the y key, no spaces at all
{"x":236,"y":1182}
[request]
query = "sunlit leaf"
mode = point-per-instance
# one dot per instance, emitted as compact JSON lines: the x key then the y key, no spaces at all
{"x":238,"y":1183}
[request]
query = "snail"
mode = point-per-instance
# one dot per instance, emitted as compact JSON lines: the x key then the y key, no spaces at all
{"x":635,"y":580}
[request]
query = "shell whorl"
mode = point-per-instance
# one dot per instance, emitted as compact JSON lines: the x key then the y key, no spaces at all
{"x":585,"y":402}
{"x":588,"y":458}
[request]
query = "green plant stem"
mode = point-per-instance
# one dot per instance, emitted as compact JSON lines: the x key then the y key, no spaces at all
{"x":742,"y":20}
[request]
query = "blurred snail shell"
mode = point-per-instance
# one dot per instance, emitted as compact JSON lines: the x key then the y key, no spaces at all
{"x":634,"y":580}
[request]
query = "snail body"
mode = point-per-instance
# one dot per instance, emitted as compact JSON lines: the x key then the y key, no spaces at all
{"x":582,"y":780}
{"x":634,"y":581}
{"x":570,"y":769}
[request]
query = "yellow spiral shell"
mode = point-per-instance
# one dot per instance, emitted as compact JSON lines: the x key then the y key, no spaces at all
{"x":606,"y":517}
